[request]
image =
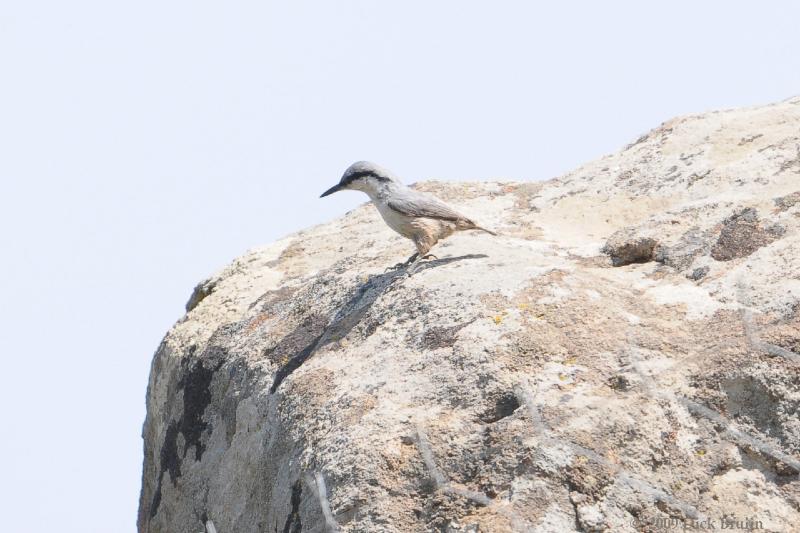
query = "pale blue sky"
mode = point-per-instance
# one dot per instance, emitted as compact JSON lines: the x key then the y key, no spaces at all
{"x":145,"y":144}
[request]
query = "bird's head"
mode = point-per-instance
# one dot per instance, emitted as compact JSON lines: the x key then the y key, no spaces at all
{"x":363,"y":176}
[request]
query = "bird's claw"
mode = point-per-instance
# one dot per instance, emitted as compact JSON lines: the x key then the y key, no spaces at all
{"x":398,"y":266}
{"x":412,"y":263}
{"x":407,"y":262}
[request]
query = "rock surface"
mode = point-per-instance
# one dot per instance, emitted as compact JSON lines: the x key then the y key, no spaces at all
{"x":624,"y":354}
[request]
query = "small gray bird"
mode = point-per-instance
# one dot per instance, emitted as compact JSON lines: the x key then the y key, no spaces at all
{"x":415,"y":215}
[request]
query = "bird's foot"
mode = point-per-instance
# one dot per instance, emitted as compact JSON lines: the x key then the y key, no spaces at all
{"x":416,"y":261}
{"x":398,"y":266}
{"x":405,"y":263}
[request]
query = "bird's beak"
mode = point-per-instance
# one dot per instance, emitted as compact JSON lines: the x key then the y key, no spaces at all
{"x":335,"y":188}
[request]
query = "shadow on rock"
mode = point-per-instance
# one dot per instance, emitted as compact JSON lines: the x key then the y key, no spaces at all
{"x":446,"y":261}
{"x":351,"y":314}
{"x":345,"y":320}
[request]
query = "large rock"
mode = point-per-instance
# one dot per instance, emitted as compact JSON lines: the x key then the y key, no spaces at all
{"x":625,"y":352}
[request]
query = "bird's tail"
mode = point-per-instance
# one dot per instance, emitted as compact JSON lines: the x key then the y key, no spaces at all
{"x":486,"y":230}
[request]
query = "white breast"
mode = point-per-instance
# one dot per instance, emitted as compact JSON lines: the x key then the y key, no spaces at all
{"x":397,"y":221}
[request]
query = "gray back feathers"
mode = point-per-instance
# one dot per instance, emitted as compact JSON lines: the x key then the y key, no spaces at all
{"x":417,"y":204}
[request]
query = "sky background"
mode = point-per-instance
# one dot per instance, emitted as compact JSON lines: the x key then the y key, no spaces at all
{"x":143,"y":145}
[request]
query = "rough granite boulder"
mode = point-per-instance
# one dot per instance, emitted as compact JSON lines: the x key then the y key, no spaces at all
{"x":622,"y":358}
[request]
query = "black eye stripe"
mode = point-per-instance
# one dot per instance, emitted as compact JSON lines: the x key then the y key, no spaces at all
{"x":357,"y":175}
{"x":363,"y":174}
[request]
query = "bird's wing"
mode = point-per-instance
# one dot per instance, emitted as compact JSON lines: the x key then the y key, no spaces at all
{"x":426,"y":206}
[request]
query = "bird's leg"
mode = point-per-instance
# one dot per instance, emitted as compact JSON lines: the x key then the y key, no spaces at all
{"x":417,"y":261}
{"x":414,"y":264}
{"x":404,"y":263}
{"x":422,"y":253}
{"x":411,"y":259}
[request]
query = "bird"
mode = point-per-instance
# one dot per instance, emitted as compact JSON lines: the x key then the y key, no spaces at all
{"x":418,"y":216}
